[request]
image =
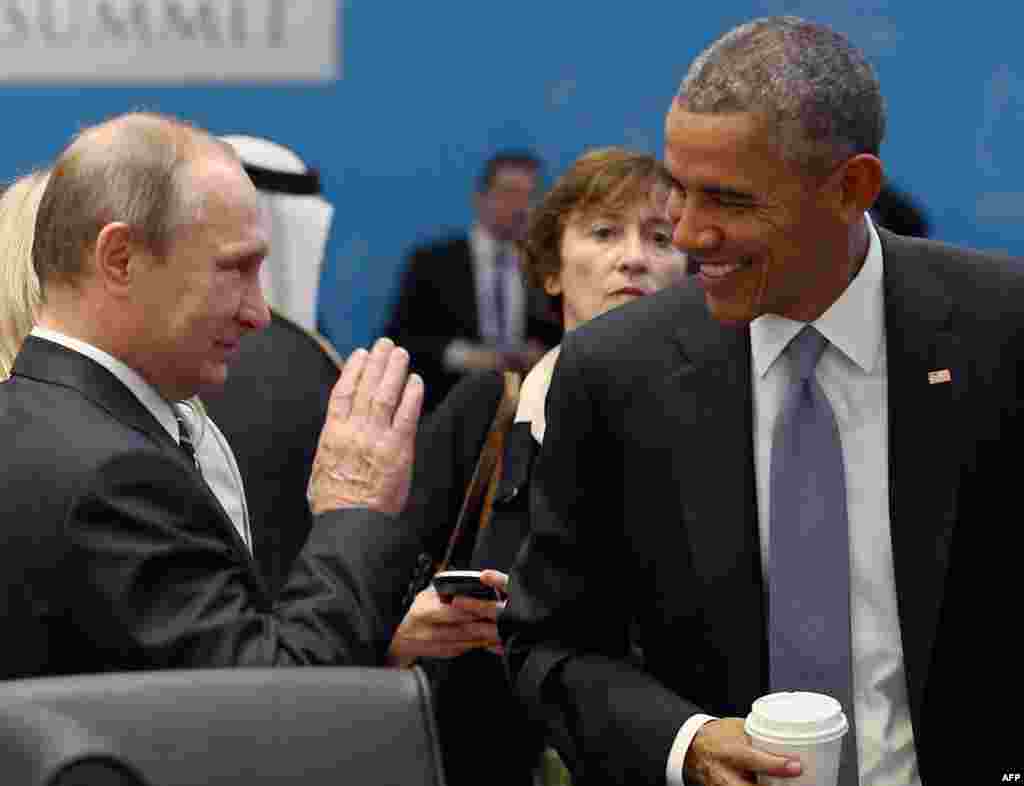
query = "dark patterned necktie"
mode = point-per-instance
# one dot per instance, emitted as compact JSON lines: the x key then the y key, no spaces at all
{"x":185,"y":439}
{"x":809,"y":573}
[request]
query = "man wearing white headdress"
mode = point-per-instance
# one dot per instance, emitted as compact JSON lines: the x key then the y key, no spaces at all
{"x":300,"y":222}
{"x":274,"y":435}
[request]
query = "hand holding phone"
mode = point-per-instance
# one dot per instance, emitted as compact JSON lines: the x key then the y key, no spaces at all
{"x":465,"y":583}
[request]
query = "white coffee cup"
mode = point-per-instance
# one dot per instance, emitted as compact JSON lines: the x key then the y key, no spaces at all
{"x":807,"y":725}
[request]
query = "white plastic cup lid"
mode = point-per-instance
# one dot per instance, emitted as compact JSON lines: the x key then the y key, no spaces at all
{"x":796,"y":718}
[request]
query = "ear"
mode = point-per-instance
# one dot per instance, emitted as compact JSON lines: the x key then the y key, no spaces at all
{"x":115,"y":255}
{"x":858,"y":181}
{"x":553,"y":284}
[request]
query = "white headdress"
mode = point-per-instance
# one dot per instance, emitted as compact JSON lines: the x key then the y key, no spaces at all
{"x":300,"y":223}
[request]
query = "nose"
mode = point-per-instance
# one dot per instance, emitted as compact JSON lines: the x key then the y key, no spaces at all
{"x":693,"y":230}
{"x":635,"y":252}
{"x":254,"y":313}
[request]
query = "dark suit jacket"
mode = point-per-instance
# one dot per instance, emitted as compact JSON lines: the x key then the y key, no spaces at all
{"x":448,"y":445}
{"x":117,"y":556}
{"x":644,"y":510}
{"x":437,"y":304}
{"x":476,"y":710}
{"x":271,"y":410}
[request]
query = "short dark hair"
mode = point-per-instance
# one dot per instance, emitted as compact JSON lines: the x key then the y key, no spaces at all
{"x":816,"y":89}
{"x":516,"y":159}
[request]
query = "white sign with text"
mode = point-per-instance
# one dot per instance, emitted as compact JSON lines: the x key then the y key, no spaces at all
{"x":168,"y":41}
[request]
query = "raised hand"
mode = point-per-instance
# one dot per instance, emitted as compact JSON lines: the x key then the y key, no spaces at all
{"x":365,"y":455}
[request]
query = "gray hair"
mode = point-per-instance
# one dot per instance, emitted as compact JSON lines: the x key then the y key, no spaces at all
{"x":816,"y":89}
{"x":129,"y":169}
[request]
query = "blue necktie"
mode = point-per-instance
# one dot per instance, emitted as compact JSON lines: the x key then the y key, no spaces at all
{"x":809,"y":573}
{"x":501,"y":264}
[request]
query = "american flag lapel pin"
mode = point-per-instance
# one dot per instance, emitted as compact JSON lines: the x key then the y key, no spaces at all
{"x":940,"y":376}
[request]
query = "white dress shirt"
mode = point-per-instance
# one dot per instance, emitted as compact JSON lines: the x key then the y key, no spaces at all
{"x":214,"y":455}
{"x":533,"y":394}
{"x":485,"y":247}
{"x":220,"y":470}
{"x":852,"y":373}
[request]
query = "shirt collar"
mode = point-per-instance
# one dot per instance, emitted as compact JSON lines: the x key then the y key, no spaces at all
{"x":156,"y":404}
{"x":854,"y":324}
{"x":534,"y":392}
{"x":485,"y":245}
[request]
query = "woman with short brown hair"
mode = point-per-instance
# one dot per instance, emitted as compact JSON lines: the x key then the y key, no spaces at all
{"x":598,"y":239}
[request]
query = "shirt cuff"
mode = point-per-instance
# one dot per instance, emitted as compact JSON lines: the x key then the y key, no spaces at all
{"x":677,"y":754}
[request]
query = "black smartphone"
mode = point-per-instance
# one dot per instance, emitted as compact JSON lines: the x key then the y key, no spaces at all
{"x":466,"y":583}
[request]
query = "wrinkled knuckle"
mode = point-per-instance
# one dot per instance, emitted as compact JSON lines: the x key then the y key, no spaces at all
{"x":383,"y":402}
{"x":340,"y":401}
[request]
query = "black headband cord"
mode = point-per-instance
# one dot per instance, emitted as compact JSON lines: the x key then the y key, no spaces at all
{"x":305,"y":184}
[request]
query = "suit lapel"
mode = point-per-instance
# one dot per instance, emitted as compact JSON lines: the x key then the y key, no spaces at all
{"x":712,"y":385}
{"x":463,"y":283}
{"x":924,"y":446}
{"x":52,"y":363}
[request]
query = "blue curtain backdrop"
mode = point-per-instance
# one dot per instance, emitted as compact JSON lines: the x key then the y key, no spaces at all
{"x":428,"y":90}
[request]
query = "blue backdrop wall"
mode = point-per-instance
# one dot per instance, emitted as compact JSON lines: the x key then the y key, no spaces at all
{"x":428,"y":90}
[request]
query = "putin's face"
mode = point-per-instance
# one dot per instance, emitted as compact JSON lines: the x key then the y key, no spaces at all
{"x":204,"y":294}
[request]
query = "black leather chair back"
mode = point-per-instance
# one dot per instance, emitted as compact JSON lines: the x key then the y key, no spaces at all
{"x":220,"y":727}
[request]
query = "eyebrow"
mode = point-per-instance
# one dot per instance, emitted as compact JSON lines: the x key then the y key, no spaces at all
{"x":719,"y":191}
{"x":245,"y":253}
{"x":728,"y":193}
{"x":657,"y":221}
{"x":601,"y":214}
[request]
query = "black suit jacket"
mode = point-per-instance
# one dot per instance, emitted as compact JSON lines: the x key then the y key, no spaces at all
{"x":644,"y":511}
{"x":437,"y":304}
{"x":447,"y":448}
{"x":117,"y":556}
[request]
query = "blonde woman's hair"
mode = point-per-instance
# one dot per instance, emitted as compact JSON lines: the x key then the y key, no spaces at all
{"x":19,"y":285}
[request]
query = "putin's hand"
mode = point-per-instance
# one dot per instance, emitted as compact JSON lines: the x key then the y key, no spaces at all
{"x":365,"y":455}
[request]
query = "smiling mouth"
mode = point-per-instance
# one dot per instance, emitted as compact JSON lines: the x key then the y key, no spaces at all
{"x":717,"y":270}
